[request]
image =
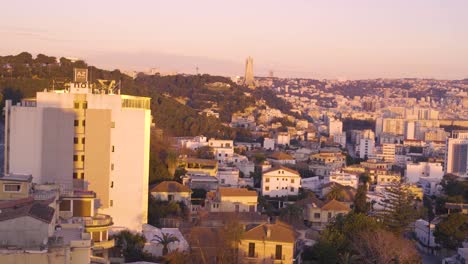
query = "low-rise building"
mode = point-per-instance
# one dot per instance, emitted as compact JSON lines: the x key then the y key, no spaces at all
{"x":319,"y":214}
{"x":280,"y":181}
{"x":269,"y":243}
{"x":232,"y":200}
{"x":171,"y":191}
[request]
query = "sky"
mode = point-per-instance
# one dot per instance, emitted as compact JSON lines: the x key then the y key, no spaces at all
{"x":332,"y":39}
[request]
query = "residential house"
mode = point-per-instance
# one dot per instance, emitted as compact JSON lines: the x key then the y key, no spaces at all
{"x":280,"y":181}
{"x":319,"y":214}
{"x":232,"y":200}
{"x":171,"y":191}
{"x":269,"y":243}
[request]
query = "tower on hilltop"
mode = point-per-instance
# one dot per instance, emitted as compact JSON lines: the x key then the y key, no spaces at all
{"x":249,"y":80}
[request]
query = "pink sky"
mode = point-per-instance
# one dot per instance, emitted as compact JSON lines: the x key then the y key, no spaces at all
{"x":317,"y":39}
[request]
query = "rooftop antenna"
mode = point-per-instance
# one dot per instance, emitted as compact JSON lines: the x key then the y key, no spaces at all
{"x":196,"y":69}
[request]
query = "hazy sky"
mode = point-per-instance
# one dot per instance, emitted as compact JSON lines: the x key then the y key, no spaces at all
{"x":350,"y":39}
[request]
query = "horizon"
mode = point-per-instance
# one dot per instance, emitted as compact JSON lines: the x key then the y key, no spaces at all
{"x":336,"y":40}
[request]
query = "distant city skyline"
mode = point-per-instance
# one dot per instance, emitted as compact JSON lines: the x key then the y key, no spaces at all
{"x":335,"y":39}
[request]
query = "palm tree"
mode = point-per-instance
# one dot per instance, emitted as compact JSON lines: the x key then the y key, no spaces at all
{"x":164,"y":240}
{"x":336,"y":193}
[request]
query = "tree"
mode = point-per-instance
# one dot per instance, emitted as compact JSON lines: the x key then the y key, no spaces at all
{"x":165,"y":240}
{"x":360,"y":200}
{"x":336,"y":193}
{"x":382,"y":246}
{"x":454,"y":188}
{"x":452,"y":231}
{"x":292,"y":214}
{"x":132,"y":245}
{"x":400,"y":208}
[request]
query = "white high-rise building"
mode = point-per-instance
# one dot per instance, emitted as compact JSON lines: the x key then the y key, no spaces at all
{"x":366,"y":148}
{"x":85,"y":138}
{"x":456,"y":153}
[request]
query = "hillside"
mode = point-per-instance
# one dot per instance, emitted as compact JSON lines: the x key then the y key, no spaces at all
{"x":22,"y":76}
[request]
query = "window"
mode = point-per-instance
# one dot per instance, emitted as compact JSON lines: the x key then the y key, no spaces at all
{"x":82,"y":140}
{"x":329,"y":215}
{"x":223,"y":181}
{"x":82,"y":158}
{"x":317,"y":215}
{"x":85,"y":105}
{"x":65,"y":205}
{"x":96,"y":236}
{"x":251,"y":250}
{"x":111,"y":202}
{"x":77,"y":105}
{"x":112,"y":184}
{"x":76,"y":123}
{"x":113,"y":148}
{"x":292,"y":180}
{"x":292,"y":189}
{"x":112,"y":166}
{"x":279,"y":252}
{"x":267,"y":188}
{"x":82,"y":175}
{"x":84,"y":122}
{"x":75,"y":157}
{"x":267,"y":179}
{"x":112,"y":124}
{"x":75,"y":140}
{"x":11,"y":187}
{"x":170,"y":197}
{"x":75,"y":175}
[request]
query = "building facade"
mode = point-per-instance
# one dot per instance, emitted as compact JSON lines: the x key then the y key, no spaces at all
{"x":85,"y":138}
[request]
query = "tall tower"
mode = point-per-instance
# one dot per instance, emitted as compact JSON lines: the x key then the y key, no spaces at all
{"x":249,"y":80}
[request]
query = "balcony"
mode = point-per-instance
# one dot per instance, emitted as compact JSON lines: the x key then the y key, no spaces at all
{"x":104,"y":244}
{"x":99,"y":220}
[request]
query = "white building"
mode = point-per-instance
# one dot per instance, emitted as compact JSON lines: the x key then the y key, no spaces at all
{"x":366,"y":148}
{"x":283,"y":138}
{"x":416,"y":171}
{"x":81,"y":138}
{"x":281,"y":181}
{"x":456,"y":153}
{"x":223,"y":149}
{"x":425,"y":235}
{"x":228,"y":176}
{"x":269,"y":144}
{"x":193,"y":142}
{"x":345,"y":179}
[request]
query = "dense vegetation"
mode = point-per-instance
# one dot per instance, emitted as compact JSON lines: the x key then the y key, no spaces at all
{"x":22,"y":76}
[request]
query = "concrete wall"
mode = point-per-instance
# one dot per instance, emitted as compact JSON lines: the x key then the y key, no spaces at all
{"x":24,"y":231}
{"x":25,"y":137}
{"x":97,"y":153}
{"x":264,"y":251}
{"x":57,"y":146}
{"x":130,"y":139}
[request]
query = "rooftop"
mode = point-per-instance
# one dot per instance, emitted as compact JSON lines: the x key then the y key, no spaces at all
{"x":170,"y":186}
{"x":237,"y":192}
{"x":277,"y":232}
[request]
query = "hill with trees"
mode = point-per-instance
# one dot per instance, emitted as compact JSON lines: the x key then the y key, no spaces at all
{"x":22,"y":76}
